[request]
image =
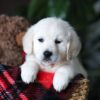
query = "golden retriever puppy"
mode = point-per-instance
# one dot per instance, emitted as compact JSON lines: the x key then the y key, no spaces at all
{"x":51,"y":45}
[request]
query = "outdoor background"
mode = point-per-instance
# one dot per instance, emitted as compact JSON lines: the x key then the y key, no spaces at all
{"x":83,"y":15}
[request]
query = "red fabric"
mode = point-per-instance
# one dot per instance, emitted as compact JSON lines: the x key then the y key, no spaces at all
{"x":13,"y":88}
{"x":23,"y":54}
{"x":45,"y":78}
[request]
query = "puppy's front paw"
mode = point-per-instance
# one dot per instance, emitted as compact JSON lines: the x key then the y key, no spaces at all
{"x":60,"y":82}
{"x":27,"y":74}
{"x":28,"y":77}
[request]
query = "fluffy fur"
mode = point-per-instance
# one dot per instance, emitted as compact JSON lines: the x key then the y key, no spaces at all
{"x":11,"y":27}
{"x":58,"y":37}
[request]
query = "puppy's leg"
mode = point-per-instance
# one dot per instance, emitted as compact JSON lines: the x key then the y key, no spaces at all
{"x":62,"y":77}
{"x":29,"y":70}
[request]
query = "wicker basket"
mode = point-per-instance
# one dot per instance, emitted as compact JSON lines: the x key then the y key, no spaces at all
{"x":81,"y":90}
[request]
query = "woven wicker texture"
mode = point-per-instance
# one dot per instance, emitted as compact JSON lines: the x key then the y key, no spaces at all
{"x":81,"y":90}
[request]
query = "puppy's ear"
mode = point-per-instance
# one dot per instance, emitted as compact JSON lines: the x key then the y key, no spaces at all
{"x":28,"y":41}
{"x":73,"y":45}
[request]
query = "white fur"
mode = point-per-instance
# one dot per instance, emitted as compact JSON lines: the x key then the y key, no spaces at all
{"x":64,"y":61}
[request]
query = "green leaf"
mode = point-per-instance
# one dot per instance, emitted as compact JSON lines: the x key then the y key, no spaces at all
{"x":58,"y":8}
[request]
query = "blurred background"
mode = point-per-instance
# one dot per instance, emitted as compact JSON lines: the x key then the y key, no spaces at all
{"x":83,"y":15}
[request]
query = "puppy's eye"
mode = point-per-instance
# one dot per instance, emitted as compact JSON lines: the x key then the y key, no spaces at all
{"x":41,"y":40}
{"x":58,"y":41}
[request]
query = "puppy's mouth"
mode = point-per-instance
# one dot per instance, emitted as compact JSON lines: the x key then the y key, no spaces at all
{"x":47,"y":60}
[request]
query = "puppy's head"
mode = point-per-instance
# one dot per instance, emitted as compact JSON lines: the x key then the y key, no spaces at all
{"x":51,"y":40}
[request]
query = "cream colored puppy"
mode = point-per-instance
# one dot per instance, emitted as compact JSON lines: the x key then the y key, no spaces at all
{"x":51,"y":45}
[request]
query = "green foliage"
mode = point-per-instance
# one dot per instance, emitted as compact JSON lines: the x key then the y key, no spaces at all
{"x":58,"y":8}
{"x":78,"y":12}
{"x":36,"y":9}
{"x":47,"y":8}
{"x":81,"y":12}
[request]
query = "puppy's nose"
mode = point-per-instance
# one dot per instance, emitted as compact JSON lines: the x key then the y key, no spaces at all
{"x":47,"y":54}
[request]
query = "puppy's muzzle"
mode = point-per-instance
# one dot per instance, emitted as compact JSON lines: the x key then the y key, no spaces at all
{"x":47,"y":54}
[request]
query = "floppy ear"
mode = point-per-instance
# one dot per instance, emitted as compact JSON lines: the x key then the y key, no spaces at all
{"x":73,"y":45}
{"x":27,"y":41}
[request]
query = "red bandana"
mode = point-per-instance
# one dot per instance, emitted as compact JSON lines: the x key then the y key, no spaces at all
{"x":45,"y":78}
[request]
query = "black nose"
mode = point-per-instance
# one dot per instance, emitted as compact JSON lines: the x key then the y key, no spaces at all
{"x":47,"y":54}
